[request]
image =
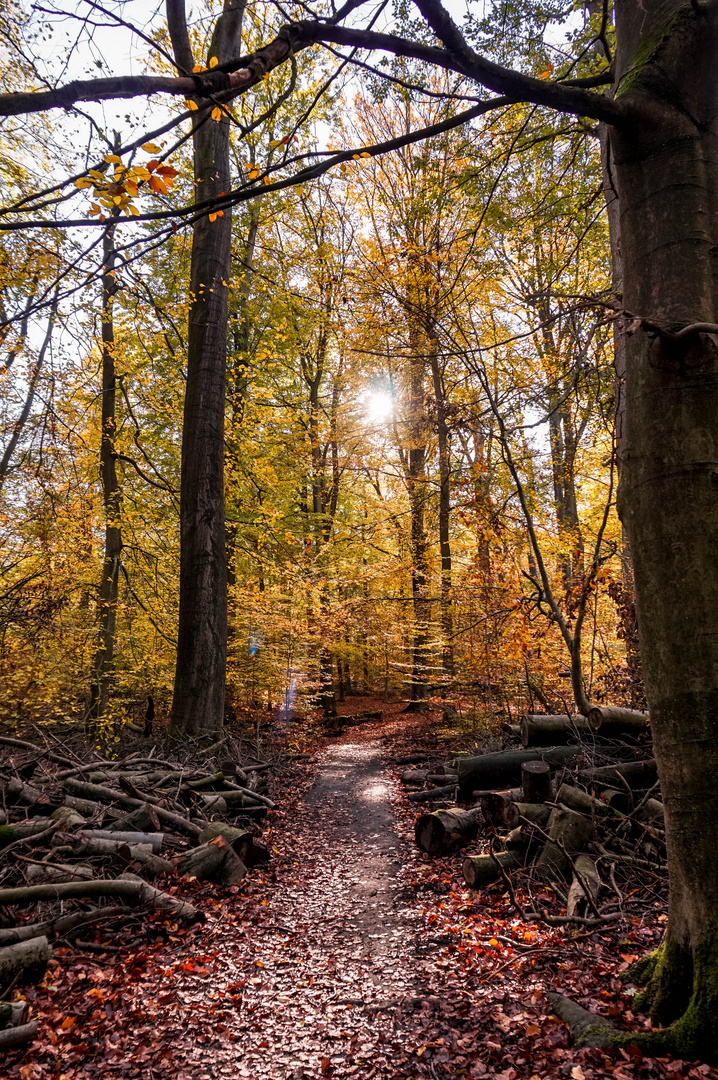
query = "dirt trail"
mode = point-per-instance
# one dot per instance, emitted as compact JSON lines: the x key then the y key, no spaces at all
{"x":328,"y":989}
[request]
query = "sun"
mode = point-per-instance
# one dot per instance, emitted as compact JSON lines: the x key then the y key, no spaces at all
{"x":379,"y":406}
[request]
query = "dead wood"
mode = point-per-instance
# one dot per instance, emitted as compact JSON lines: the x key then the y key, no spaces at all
{"x":25,"y":962}
{"x":481,"y":870}
{"x":127,"y":889}
{"x":538,"y":730}
{"x":569,"y":833}
{"x":446,"y":830}
{"x":214,"y":861}
{"x":18,"y":1036}
{"x":536,"y":781}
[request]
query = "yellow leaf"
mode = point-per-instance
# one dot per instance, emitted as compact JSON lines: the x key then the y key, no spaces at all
{"x":267,"y":179}
{"x":151,"y":148}
{"x":420,"y":1051}
{"x":191,"y":105}
{"x":365,"y":153}
{"x":493,"y":941}
{"x":141,"y":173}
{"x":113,"y":157}
{"x":131,"y":188}
{"x":117,"y":200}
{"x":253,"y":174}
{"x":96,"y":175}
{"x":217,"y":113}
{"x":133,"y":209}
{"x":213,"y":61}
{"x":83,"y":182}
{"x":197,"y":68}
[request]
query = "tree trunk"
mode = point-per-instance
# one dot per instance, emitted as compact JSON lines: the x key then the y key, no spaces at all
{"x":442,"y":430}
{"x":111,"y":492}
{"x":198,"y":702}
{"x":667,"y":176}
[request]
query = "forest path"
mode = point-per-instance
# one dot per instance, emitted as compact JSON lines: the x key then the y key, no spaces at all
{"x":338,"y":944}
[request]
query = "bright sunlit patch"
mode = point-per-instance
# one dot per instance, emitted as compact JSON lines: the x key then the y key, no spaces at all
{"x":379,"y":406}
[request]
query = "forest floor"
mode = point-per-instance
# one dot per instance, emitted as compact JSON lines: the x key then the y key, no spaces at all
{"x":351,"y":955}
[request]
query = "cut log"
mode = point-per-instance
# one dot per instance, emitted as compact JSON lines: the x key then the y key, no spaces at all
{"x":446,"y":830}
{"x":214,"y":861}
{"x":13,"y":1014}
{"x":432,"y":793}
{"x":415,"y":777}
{"x":536,"y":781}
{"x":19,"y":794}
{"x":582,"y":802}
{"x":637,"y":774}
{"x":37,"y":874}
{"x":23,"y":829}
{"x":212,"y":802}
{"x":585,"y":880}
{"x":109,"y":795}
{"x":18,"y":1036}
{"x":245,"y":846}
{"x":538,"y":813}
{"x":61,"y":926}
{"x":651,"y":811}
{"x":493,"y":804}
{"x":612,"y":721}
{"x":572,"y":832}
{"x":138,"y":891}
{"x":617,"y":800}
{"x":155,"y":840}
{"x":154,"y":865}
{"x":25,"y":962}
{"x":481,"y":870}
{"x":538,"y":730}
{"x":495,"y":770}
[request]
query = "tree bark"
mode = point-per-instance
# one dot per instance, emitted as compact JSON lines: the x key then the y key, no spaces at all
{"x":199,"y":686}
{"x":552,"y":730}
{"x":569,"y":833}
{"x":111,"y":493}
{"x":666,"y":171}
{"x":481,"y":870}
{"x":25,"y":961}
{"x":121,"y":887}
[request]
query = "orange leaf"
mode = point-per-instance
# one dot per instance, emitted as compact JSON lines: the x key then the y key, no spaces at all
{"x":167,"y":170}
{"x":68,"y":1022}
{"x":157,"y":184}
{"x":533,"y":1030}
{"x":152,"y":165}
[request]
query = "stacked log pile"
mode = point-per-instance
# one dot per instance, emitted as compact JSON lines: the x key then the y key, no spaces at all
{"x":568,"y":812}
{"x":112,"y":836}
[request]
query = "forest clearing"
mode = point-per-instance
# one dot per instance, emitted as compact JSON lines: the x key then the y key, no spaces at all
{"x":358,"y":533}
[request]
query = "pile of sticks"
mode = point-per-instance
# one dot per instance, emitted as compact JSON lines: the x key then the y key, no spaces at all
{"x":114,"y":836}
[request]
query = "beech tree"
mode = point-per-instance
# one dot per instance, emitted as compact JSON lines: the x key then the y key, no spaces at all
{"x":656,"y":99}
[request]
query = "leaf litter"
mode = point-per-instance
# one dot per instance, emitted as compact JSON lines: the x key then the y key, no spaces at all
{"x":351,"y":955}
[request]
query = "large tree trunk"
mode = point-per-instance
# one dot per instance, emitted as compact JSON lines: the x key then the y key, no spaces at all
{"x":667,"y":173}
{"x":198,"y":704}
{"x":111,"y":492}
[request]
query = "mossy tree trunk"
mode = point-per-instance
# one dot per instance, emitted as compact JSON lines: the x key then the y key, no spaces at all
{"x":665,"y":157}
